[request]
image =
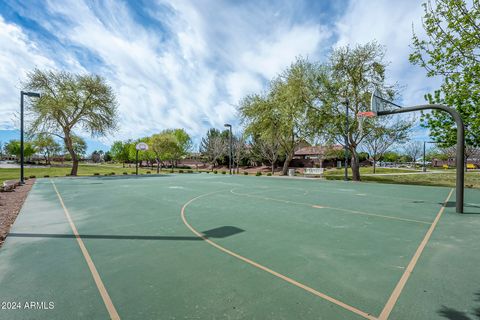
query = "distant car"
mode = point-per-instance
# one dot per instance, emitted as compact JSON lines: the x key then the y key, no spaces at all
{"x":471,"y":166}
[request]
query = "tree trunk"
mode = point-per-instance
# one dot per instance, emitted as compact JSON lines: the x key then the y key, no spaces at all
{"x":374,"y":162}
{"x":69,"y":144}
{"x":158,"y":166}
{"x":355,"y":166}
{"x":287,"y":163}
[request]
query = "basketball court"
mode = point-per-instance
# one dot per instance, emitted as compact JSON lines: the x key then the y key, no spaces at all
{"x":204,"y":246}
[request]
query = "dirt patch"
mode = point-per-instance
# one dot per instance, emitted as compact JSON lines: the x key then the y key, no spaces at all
{"x":10,"y":204}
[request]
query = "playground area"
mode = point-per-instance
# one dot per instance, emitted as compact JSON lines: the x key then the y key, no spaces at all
{"x":204,"y":246}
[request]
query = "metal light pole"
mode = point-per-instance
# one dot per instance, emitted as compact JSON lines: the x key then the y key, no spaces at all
{"x":424,"y":165}
{"x":22,"y":160}
{"x":230,"y":160}
{"x":346,"y":139}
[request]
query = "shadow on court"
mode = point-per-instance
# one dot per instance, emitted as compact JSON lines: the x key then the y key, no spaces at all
{"x":220,"y":232}
{"x":468,"y":208}
{"x":454,"y":314}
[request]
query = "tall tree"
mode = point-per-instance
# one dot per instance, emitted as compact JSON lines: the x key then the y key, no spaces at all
{"x":47,"y":146}
{"x":355,"y":73}
{"x":285,"y":110}
{"x":68,"y":102}
{"x":451,"y":50}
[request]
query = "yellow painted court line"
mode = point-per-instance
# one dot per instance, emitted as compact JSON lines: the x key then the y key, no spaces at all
{"x":333,"y":208}
{"x":96,"y":277}
{"x":261,"y":267}
{"x":403,"y":280}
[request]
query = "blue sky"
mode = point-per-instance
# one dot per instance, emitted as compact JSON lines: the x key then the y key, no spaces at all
{"x":188,"y":63}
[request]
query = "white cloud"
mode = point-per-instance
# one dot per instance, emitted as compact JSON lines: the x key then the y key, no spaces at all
{"x":189,"y":71}
{"x":18,"y":55}
{"x":390,"y":23}
{"x":192,"y":67}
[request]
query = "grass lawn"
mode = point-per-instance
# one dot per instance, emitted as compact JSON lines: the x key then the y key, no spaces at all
{"x":368,"y":170}
{"x":447,"y":179}
{"x":83,"y":170}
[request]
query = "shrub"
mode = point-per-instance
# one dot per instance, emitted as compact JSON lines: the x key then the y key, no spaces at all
{"x":269,"y":174}
{"x":96,"y":174}
{"x":190,"y":171}
{"x":133,"y":172}
{"x":215,"y":171}
{"x":258,"y":173}
{"x":180,"y":171}
{"x":46,"y":176}
{"x":224,"y":172}
{"x":112,"y":173}
{"x":125,"y":173}
{"x":32,"y":177}
{"x":106,"y":174}
{"x":245,"y":173}
{"x":26,"y":178}
{"x":148,"y":172}
{"x":67,"y":175}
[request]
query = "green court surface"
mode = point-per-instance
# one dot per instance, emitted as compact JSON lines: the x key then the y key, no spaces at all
{"x":203,"y":246}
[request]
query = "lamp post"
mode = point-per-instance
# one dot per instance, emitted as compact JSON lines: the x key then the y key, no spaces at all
{"x":346,"y":139}
{"x":424,"y":165}
{"x":230,"y":162}
{"x":22,"y":160}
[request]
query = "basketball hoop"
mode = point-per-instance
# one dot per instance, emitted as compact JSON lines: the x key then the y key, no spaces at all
{"x":366,"y":114}
{"x":362,"y":116}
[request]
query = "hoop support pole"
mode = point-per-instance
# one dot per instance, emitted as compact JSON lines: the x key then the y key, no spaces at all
{"x":460,"y":157}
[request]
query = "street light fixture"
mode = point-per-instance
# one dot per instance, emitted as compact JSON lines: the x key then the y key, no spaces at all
{"x":230,"y":160}
{"x":22,"y":160}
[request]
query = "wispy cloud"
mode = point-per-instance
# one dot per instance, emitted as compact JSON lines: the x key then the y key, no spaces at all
{"x":187,"y":64}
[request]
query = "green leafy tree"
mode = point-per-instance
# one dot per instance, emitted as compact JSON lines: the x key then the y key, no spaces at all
{"x":450,"y":50}
{"x":13,"y":148}
{"x":285,"y":110}
{"x":68,"y":102}
{"x":390,"y":156}
{"x":166,"y":147}
{"x":184,"y":143}
{"x":120,"y":151}
{"x":46,"y":145}
{"x":355,"y":73}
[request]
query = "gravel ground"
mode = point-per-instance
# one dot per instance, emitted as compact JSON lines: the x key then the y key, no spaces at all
{"x":10,"y":204}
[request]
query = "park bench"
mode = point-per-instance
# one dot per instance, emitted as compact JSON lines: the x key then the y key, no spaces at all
{"x":315,"y":172}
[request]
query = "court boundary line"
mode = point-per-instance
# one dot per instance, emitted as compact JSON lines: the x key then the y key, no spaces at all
{"x":93,"y":270}
{"x":266,"y":269}
{"x":392,"y":300}
{"x":348,"y":211}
